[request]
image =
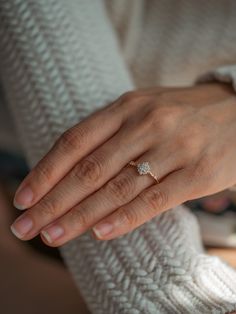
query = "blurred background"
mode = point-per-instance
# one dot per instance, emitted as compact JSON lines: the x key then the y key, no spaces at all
{"x":33,"y":277}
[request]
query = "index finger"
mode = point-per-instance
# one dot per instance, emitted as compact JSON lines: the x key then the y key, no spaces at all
{"x":71,"y":146}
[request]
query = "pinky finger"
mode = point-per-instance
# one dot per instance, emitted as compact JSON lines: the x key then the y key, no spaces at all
{"x":172,"y":191}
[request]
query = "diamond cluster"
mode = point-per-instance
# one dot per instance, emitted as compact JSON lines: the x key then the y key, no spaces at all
{"x":143,"y":168}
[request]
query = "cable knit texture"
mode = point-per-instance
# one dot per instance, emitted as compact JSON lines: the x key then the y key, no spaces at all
{"x":60,"y":61}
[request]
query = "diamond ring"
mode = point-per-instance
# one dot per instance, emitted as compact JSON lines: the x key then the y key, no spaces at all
{"x":144,"y":168}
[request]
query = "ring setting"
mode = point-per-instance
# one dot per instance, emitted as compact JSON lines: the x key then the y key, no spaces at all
{"x":143,"y":168}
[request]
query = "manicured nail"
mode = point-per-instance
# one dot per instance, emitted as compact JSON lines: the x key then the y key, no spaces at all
{"x":102,"y":229}
{"x":52,"y":233}
{"x":21,"y":226}
{"x":23,"y":198}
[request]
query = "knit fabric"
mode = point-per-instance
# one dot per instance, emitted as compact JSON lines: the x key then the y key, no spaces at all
{"x":60,"y":61}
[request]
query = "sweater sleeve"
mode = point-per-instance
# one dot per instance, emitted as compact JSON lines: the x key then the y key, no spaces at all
{"x":59,"y":62}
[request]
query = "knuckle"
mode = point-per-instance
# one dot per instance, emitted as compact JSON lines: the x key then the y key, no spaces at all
{"x":127,"y":217}
{"x":71,"y":139}
{"x":128,"y":96}
{"x":89,"y":170}
{"x":121,"y":187}
{"x":44,"y":172}
{"x":48,"y":207}
{"x":161,"y":117}
{"x":80,"y":216}
{"x":134,"y":97}
{"x":156,"y":199}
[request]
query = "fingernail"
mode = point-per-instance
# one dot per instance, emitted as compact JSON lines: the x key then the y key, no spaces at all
{"x":52,"y":233}
{"x":102,"y":229}
{"x":22,"y":226}
{"x":23,"y":198}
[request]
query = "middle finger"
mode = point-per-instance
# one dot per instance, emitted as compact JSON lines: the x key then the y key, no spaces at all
{"x":85,"y":178}
{"x":119,"y":191}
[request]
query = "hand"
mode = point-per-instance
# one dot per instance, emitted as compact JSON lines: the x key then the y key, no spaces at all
{"x":186,"y":134}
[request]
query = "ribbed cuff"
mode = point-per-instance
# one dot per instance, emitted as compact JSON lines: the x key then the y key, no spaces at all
{"x":157,"y":269}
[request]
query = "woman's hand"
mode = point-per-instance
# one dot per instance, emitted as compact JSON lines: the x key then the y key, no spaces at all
{"x":186,"y":134}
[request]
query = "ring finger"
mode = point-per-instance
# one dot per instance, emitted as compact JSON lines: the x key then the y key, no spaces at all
{"x":118,"y":191}
{"x":87,"y":176}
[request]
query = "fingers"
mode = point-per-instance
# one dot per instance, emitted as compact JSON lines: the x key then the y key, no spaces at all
{"x":115,"y":193}
{"x":74,"y":144}
{"x":84,"y":179}
{"x":172,"y":191}
{"x":123,"y":188}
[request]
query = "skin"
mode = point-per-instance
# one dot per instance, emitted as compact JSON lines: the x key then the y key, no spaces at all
{"x":84,"y":183}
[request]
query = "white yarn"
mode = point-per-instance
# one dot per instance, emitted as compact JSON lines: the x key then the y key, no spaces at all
{"x":59,"y":62}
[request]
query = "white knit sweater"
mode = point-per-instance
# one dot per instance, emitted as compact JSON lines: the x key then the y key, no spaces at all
{"x":60,"y":60}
